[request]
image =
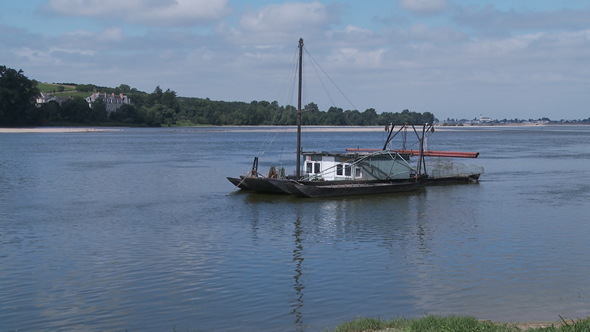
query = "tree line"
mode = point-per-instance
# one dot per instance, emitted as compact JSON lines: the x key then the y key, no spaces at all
{"x":205,"y":111}
{"x":18,"y":93}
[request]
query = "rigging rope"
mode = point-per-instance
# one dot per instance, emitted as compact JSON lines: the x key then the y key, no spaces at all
{"x":328,"y":76}
{"x":290,"y":81}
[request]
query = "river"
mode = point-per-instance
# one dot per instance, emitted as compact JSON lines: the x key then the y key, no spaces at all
{"x":139,"y":230}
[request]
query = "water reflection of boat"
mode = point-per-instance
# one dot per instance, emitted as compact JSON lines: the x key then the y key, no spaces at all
{"x":328,"y":174}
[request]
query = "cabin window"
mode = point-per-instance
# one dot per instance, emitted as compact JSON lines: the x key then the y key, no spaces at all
{"x":316,"y":168}
{"x":308,"y":167}
{"x":357,"y":172}
{"x":347,"y":170}
{"x":339,"y":169}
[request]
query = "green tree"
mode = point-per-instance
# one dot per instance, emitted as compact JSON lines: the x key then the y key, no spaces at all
{"x":427,"y":117}
{"x":124,"y":88}
{"x":334,"y":117}
{"x":137,"y":98}
{"x":154,"y":97}
{"x":76,"y":110}
{"x":311,"y":107}
{"x":354,"y":118}
{"x":153,"y":117}
{"x":17,"y":97}
{"x":126,"y":113}
{"x":85,"y":87}
{"x":99,"y":105}
{"x":370,"y":117}
{"x":98,"y":111}
{"x":169,"y":100}
{"x":50,"y":110}
{"x":37,"y":116}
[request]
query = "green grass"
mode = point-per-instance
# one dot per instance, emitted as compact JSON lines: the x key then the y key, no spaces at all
{"x":48,"y":87}
{"x":75,"y":94}
{"x":69,"y":90}
{"x":451,"y":324}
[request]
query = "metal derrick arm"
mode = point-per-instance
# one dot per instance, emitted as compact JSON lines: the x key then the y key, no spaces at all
{"x":392,"y":133}
{"x":425,"y":127}
{"x":421,"y":167}
{"x":427,"y":153}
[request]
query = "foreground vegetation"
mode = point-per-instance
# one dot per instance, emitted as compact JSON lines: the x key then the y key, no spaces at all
{"x":450,"y":324}
{"x":453,"y":324}
{"x":17,"y":108}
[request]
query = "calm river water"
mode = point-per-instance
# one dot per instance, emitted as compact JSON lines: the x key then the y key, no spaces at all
{"x":134,"y":230}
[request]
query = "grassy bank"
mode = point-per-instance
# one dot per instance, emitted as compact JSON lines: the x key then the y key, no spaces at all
{"x":68,"y":90}
{"x":456,"y":324}
{"x":48,"y":87}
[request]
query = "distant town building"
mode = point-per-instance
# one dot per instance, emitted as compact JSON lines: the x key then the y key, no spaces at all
{"x":47,"y":97}
{"x":484,"y":119}
{"x":112,"y":101}
{"x":43,"y":98}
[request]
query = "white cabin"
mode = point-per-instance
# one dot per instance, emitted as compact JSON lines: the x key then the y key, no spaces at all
{"x":380,"y":165}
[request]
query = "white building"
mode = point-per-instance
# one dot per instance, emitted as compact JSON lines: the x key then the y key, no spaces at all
{"x":484,"y":119}
{"x":112,"y":101}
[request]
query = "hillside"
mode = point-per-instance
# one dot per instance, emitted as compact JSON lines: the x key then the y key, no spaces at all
{"x":68,"y":90}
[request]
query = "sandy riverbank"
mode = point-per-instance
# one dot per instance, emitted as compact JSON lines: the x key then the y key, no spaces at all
{"x":54,"y":130}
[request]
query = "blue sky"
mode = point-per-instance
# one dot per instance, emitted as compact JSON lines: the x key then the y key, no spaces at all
{"x":454,"y":58}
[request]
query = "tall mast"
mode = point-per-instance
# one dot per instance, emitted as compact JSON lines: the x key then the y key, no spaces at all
{"x":298,"y":172}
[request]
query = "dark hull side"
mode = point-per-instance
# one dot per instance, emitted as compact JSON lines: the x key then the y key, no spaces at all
{"x":453,"y":179}
{"x":351,"y":189}
{"x":239,"y":183}
{"x":267,"y":185}
{"x":327,"y":188}
{"x":264,"y":185}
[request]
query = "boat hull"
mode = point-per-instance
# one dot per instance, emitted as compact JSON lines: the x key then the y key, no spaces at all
{"x":326,"y":188}
{"x":238,"y":182}
{"x":453,"y":179}
{"x":319,"y":189}
{"x":266,"y":185}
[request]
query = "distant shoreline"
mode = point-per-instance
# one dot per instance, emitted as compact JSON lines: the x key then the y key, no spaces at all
{"x":276,"y":128}
{"x":55,"y":130}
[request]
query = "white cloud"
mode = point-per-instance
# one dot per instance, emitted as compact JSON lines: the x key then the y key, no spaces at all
{"x":147,"y":12}
{"x":355,"y":29}
{"x":359,"y":58}
{"x":423,"y":7}
{"x":351,"y":34}
{"x":113,"y":34}
{"x":491,"y":19}
{"x":494,"y":48}
{"x":276,"y":22}
{"x":70,"y":49}
{"x":51,"y":56}
{"x":421,"y":32}
{"x":390,"y":69}
{"x":285,"y":16}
